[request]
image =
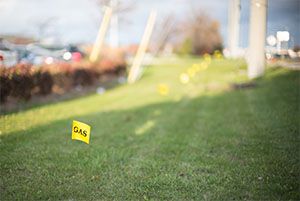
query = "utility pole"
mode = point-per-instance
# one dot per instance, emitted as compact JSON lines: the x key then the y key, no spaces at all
{"x":114,"y":25}
{"x":257,"y":35}
{"x":137,"y":62}
{"x":234,"y":27}
{"x":101,"y":35}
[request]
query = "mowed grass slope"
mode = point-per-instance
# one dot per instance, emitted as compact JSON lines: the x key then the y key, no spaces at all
{"x":203,"y":141}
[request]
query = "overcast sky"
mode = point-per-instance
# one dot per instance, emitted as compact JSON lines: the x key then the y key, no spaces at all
{"x":78,"y":20}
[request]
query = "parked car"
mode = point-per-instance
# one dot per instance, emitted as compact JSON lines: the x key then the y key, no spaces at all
{"x":8,"y":57}
{"x":40,"y":54}
{"x":73,"y":53}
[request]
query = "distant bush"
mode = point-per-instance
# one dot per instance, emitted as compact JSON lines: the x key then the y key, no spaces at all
{"x":199,"y":34}
{"x":5,"y":85}
{"x":44,"y":82}
{"x":84,"y":77}
{"x":23,"y":81}
{"x":62,"y":76}
{"x":110,"y":66}
{"x":186,"y":47}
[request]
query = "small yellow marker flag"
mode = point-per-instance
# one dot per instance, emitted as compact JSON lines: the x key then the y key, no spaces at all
{"x":163,"y":89}
{"x":81,"y":131}
{"x":184,"y":78}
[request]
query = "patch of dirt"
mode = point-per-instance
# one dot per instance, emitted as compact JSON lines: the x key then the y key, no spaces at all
{"x":241,"y":86}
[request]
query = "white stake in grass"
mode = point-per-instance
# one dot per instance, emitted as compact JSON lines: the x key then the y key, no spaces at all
{"x":135,"y":68}
{"x":101,"y":35}
{"x":234,"y":27}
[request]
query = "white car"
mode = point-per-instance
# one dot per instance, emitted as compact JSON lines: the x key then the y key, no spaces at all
{"x":8,"y":58}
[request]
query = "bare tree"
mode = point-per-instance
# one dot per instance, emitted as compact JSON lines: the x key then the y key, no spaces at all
{"x":44,"y":25}
{"x":165,"y":31}
{"x":202,"y":33}
{"x":119,"y":9}
{"x":117,"y":5}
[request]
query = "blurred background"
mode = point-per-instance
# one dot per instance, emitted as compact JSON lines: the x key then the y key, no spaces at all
{"x":186,"y":99}
{"x":77,"y":21}
{"x":52,"y":40}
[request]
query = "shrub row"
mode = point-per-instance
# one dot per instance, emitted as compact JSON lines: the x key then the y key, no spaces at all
{"x":22,"y":81}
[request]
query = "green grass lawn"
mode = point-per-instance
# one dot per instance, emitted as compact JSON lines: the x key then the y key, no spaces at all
{"x":203,"y":141}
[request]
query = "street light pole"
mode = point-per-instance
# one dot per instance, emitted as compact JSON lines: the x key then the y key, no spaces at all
{"x":234,"y":27}
{"x":257,"y":35}
{"x":137,"y":62}
{"x":114,"y":25}
{"x":101,"y":35}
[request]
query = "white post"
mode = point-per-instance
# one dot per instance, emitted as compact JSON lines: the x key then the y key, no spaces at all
{"x":278,"y":46}
{"x":234,"y":27}
{"x":101,"y":35}
{"x":134,"y":70}
{"x":114,"y":25}
{"x":257,"y":35}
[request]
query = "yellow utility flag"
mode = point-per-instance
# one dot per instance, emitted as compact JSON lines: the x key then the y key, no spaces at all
{"x":207,"y":58}
{"x":81,"y":131}
{"x":184,"y":78}
{"x":163,"y":89}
